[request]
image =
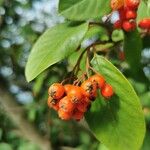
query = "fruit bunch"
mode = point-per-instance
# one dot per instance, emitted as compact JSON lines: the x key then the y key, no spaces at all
{"x":72,"y":101}
{"x":127,"y":14}
{"x":145,"y":24}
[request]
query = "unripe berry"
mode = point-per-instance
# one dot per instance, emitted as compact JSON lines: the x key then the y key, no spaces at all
{"x":130,"y":14}
{"x":66,"y":105}
{"x":56,"y":91}
{"x":107,"y":91}
{"x":64,"y":115}
{"x":98,"y":79}
{"x":129,"y":26}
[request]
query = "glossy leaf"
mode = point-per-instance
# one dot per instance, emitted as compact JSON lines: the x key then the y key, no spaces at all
{"x":117,"y":123}
{"x":84,"y":9}
{"x":132,"y":49}
{"x":53,"y":46}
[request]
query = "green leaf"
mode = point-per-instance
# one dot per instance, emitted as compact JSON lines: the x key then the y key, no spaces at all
{"x":54,"y":45}
{"x":143,"y":10}
{"x":95,"y":30}
{"x":132,"y":49}
{"x":84,"y":9}
{"x":118,"y":123}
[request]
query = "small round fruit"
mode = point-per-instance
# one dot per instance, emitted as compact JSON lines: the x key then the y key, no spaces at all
{"x":78,"y":115}
{"x":107,"y":91}
{"x":132,"y":4}
{"x":64,"y":115}
{"x":118,"y":24}
{"x":129,"y":26}
{"x":66,"y":105}
{"x":56,"y":91}
{"x":116,"y":4}
{"x":75,"y":94}
{"x":67,"y":88}
{"x":53,"y":103}
{"x":82,"y":106}
{"x":90,"y":89}
{"x":98,"y":79}
{"x":144,"y":23}
{"x":131,"y":14}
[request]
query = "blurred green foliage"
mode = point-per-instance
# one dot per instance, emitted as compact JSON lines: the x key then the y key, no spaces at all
{"x":21,"y":23}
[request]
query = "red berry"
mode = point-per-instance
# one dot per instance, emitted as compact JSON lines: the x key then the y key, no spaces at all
{"x":56,"y":91}
{"x":107,"y":91}
{"x":90,"y":89}
{"x":130,"y":14}
{"x":132,"y":4}
{"x":78,"y":115}
{"x":118,"y":24}
{"x":145,"y":23}
{"x":53,"y":103}
{"x":82,"y":106}
{"x":66,"y":105}
{"x":98,"y":79}
{"x":75,"y":94}
{"x":129,"y":26}
{"x":64,"y":115}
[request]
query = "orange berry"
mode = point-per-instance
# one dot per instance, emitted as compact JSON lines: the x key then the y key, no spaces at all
{"x":82,"y":106}
{"x":66,"y":105}
{"x":116,"y":4}
{"x":64,"y":115}
{"x":75,"y":94}
{"x":98,"y":79}
{"x":78,"y":115}
{"x":90,"y":89}
{"x":67,"y":87}
{"x":53,"y":103}
{"x":107,"y":91}
{"x":56,"y":91}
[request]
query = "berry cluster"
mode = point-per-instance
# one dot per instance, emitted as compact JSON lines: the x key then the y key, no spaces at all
{"x":145,"y":24}
{"x":72,"y":101}
{"x":127,"y":15}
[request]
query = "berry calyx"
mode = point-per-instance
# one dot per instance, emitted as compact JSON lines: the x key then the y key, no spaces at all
{"x":75,"y":94}
{"x":90,"y":89}
{"x":107,"y":91}
{"x":56,"y":91}
{"x":98,"y":79}
{"x":53,"y":103}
